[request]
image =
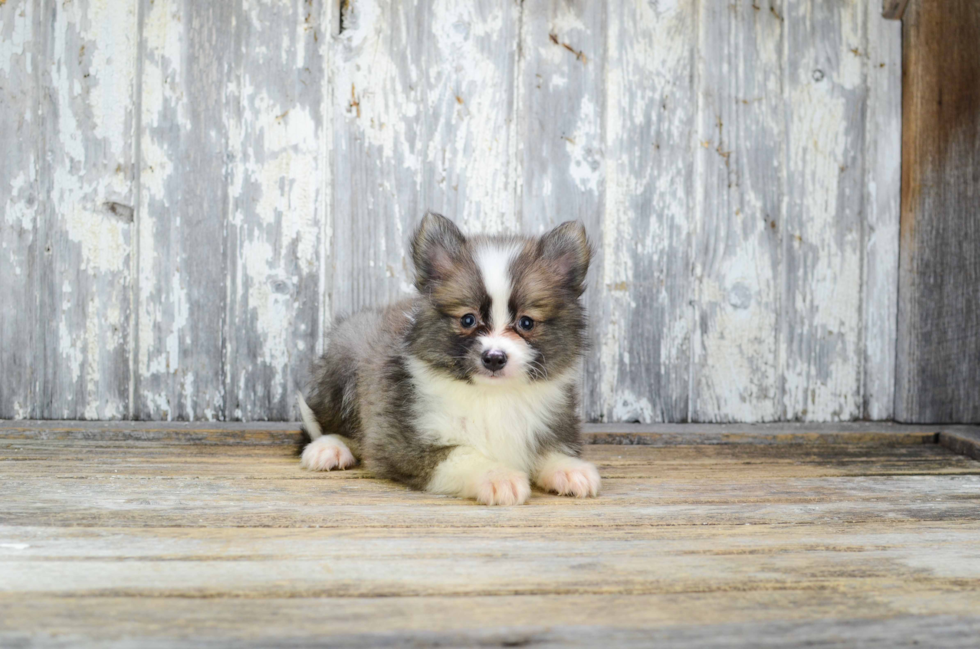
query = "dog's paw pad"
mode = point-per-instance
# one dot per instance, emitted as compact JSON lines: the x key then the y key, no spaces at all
{"x":502,"y":487}
{"x":571,"y":477}
{"x":326,"y":454}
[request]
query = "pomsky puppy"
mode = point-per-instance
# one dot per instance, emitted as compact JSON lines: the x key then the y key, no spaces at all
{"x":471,"y":387}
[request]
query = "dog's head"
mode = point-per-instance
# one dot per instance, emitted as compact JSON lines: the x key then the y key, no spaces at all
{"x":499,"y":309}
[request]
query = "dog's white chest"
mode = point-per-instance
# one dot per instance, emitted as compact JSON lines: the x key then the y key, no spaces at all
{"x":502,"y":423}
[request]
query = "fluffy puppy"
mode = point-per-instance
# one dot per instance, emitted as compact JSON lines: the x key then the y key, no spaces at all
{"x":471,"y":387}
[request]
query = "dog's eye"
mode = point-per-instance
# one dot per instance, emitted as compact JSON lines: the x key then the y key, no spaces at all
{"x":468,"y":320}
{"x":526,"y":323}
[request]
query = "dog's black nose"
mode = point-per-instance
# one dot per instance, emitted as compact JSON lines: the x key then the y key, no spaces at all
{"x":494,"y":359}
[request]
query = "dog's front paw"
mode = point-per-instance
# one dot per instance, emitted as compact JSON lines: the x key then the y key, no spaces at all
{"x":503,"y":487}
{"x":327,"y":453}
{"x":569,"y":476}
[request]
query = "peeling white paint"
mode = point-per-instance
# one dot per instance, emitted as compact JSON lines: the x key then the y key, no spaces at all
{"x":86,"y":188}
{"x":741,"y":176}
{"x":691,"y":272}
{"x":630,"y":408}
{"x":645,"y":187}
{"x":664,"y":6}
{"x":271,"y":308}
{"x":882,"y":162}
{"x":19,"y":208}
{"x":584,"y":149}
{"x":469,"y":91}
{"x":18,"y":212}
{"x":103,"y":240}
{"x":72,"y":355}
{"x":821,"y":350}
{"x":112,"y":38}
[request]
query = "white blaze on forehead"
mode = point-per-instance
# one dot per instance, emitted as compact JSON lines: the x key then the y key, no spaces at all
{"x":494,"y":261}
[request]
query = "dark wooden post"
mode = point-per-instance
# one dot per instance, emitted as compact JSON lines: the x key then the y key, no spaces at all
{"x":938,"y":356}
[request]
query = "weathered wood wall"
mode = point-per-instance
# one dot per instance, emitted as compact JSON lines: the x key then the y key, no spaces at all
{"x":939,"y":288}
{"x":192,"y":190}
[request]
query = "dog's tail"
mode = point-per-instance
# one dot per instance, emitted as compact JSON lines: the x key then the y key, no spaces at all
{"x":309,"y":419}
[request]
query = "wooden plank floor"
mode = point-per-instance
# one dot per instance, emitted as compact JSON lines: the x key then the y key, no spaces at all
{"x":161,"y":542}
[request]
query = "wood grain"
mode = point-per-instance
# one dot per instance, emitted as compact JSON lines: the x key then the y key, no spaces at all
{"x":339,"y":563}
{"x":822,"y":236}
{"x":187,"y":108}
{"x":156,"y":544}
{"x":643,"y":330}
{"x":962,"y":439}
{"x":422,"y":120}
{"x":20,"y":139}
{"x":136,"y":485}
{"x":741,"y":190}
{"x":376,"y":111}
{"x":84,"y":233}
{"x":287,"y":433}
{"x":561,"y":157}
{"x":468,"y":68}
{"x":195,"y":195}
{"x":783,"y":618}
{"x":882,"y":210}
{"x":278,"y":206}
{"x":110,"y":459}
{"x":939,"y":287}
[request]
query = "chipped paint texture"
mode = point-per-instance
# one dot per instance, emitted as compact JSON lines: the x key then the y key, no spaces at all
{"x":882,"y":168}
{"x":741,"y":175}
{"x":644,"y":317}
{"x":194,"y":190}
{"x":84,"y":228}
{"x":821,"y":311}
{"x":20,"y":130}
{"x":277,"y":207}
{"x":561,"y":156}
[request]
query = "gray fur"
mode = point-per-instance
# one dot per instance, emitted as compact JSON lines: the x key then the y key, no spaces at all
{"x":361,"y":387}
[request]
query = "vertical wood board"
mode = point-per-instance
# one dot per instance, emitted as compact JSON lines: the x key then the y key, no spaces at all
{"x":20,"y":141}
{"x":422,"y":110}
{"x":882,"y":208}
{"x":469,"y":64}
{"x":561,"y":159}
{"x":376,"y":108}
{"x":194,"y":192}
{"x":187,"y":109}
{"x":643,"y":337}
{"x":740,"y":211}
{"x":820,"y":334}
{"x":85,"y":227}
{"x":938,"y":360}
{"x":274,"y":231}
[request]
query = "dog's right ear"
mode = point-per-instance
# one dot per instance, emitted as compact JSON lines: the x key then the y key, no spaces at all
{"x":436,"y":246}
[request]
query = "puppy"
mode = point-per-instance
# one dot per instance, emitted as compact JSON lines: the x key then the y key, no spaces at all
{"x":471,"y":388}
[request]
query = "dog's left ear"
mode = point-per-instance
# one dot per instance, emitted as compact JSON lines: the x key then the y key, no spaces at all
{"x":436,"y":246}
{"x":567,"y":251}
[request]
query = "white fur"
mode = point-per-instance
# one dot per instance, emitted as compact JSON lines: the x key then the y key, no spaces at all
{"x":501,"y":421}
{"x":518,"y":357}
{"x":326,"y":453}
{"x":567,"y":476}
{"x":494,"y":263}
{"x":309,"y":419}
{"x":470,"y":474}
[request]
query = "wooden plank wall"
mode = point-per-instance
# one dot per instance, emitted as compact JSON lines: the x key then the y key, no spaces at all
{"x":192,"y":191}
{"x":939,"y":290}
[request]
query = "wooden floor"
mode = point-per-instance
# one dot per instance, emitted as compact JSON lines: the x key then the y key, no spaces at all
{"x":149,"y":537}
